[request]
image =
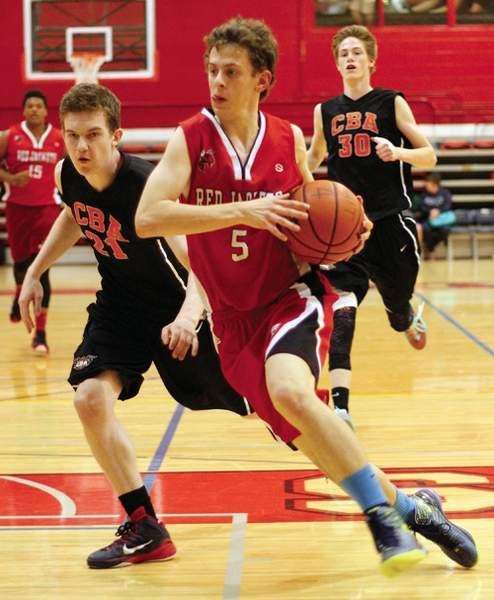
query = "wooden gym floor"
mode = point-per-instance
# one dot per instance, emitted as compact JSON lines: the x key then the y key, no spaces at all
{"x":251,"y":519}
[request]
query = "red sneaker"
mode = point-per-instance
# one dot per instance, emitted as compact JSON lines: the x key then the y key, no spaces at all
{"x":416,"y":333}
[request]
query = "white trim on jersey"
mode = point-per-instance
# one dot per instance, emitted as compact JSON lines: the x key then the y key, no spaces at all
{"x":312,"y":305}
{"x":248,"y":407}
{"x":7,"y":191}
{"x":345,"y":300}
{"x":402,"y":177}
{"x":410,"y":233}
{"x":38,"y":144}
{"x":255,"y":148}
{"x":239,"y":171}
{"x":170,"y":264}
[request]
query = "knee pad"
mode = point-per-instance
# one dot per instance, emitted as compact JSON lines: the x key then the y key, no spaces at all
{"x":20,"y":269}
{"x":45,"y":282}
{"x":400,"y":321}
{"x":342,"y":337}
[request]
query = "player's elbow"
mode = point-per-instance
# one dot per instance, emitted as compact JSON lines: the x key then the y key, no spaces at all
{"x":430,"y":159}
{"x":145,"y":225}
{"x":314,"y":159}
{"x":433,"y":160}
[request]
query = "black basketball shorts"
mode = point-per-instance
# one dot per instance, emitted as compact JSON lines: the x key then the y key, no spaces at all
{"x":111,"y":342}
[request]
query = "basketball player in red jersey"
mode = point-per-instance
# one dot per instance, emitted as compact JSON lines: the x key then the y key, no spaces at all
{"x":233,"y":167}
{"x":30,"y":150}
{"x":372,"y":141}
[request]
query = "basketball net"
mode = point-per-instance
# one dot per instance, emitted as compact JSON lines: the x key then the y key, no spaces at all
{"x":86,"y":66}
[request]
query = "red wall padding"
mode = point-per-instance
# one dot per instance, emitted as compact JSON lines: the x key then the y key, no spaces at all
{"x":447,"y":73}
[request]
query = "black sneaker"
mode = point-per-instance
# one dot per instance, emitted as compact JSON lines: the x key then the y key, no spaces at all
{"x":398,"y":547}
{"x":141,"y":539}
{"x":15,"y":311}
{"x":39,"y":344}
{"x":431,"y":522}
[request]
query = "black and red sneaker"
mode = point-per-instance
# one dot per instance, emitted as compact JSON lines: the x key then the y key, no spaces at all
{"x":39,"y":344}
{"x":141,"y":539}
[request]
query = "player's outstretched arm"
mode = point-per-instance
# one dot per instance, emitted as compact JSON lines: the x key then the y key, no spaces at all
{"x":181,"y":334}
{"x":63,"y":234}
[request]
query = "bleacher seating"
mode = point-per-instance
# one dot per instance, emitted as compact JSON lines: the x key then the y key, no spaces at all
{"x":473,"y":225}
{"x":467,"y":170}
{"x":466,"y":166}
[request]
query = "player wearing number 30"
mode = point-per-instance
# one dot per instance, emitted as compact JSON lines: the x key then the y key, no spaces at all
{"x":30,"y":150}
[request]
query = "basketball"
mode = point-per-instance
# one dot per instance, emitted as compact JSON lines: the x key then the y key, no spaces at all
{"x":332,"y":231}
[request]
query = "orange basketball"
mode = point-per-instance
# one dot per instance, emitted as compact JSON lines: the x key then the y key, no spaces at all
{"x":332,"y":231}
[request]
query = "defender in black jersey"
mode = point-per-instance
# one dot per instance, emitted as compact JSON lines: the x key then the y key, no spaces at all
{"x":143,"y":290}
{"x":371,"y":140}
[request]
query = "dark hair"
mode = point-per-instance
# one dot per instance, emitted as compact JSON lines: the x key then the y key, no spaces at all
{"x":34,"y":94}
{"x":433,"y":177}
{"x":253,"y":35}
{"x":91,"y":97}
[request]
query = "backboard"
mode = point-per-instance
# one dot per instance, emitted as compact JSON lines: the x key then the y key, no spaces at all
{"x":121,"y":30}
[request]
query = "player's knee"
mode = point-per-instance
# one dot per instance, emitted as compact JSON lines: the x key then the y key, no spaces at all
{"x":45,"y":283}
{"x":339,"y":360}
{"x":89,"y":401}
{"x":400,"y":321}
{"x":20,"y":269}
{"x":289,"y":399}
{"x":342,"y":337}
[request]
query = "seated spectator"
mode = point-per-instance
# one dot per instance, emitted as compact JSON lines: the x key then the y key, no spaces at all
{"x":331,"y":7}
{"x":434,"y":201}
{"x":362,"y":11}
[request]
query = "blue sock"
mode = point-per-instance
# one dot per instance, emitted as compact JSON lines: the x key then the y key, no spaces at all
{"x":405,"y":506}
{"x":364,"y":487}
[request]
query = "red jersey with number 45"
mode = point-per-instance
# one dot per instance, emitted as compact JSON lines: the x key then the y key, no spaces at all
{"x":39,"y":158}
{"x":240,"y":267}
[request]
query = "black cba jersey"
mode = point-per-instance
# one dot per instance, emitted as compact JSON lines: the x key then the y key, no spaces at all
{"x":349,"y":125}
{"x":139,"y":276}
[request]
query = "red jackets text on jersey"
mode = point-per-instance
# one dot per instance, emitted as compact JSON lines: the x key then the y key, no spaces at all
{"x":240,"y":267}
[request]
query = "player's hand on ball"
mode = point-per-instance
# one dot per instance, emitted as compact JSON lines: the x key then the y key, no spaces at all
{"x":180,"y":336}
{"x":365,"y":232}
{"x":274,"y":212}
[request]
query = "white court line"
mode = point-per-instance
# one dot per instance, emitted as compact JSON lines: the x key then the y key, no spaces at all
{"x":68,"y":505}
{"x":234,"y":569}
{"x":233,"y":576}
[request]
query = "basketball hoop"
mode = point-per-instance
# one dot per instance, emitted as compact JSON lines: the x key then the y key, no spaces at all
{"x":86,"y":66}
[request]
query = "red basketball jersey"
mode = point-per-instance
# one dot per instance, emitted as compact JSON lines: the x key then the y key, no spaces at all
{"x":39,"y":157}
{"x":240,"y":267}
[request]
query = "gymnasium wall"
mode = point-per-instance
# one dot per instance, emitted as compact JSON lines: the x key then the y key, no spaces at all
{"x":447,"y":73}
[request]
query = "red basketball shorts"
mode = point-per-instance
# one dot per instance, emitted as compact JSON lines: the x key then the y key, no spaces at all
{"x":27,"y":228}
{"x":299,"y":323}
